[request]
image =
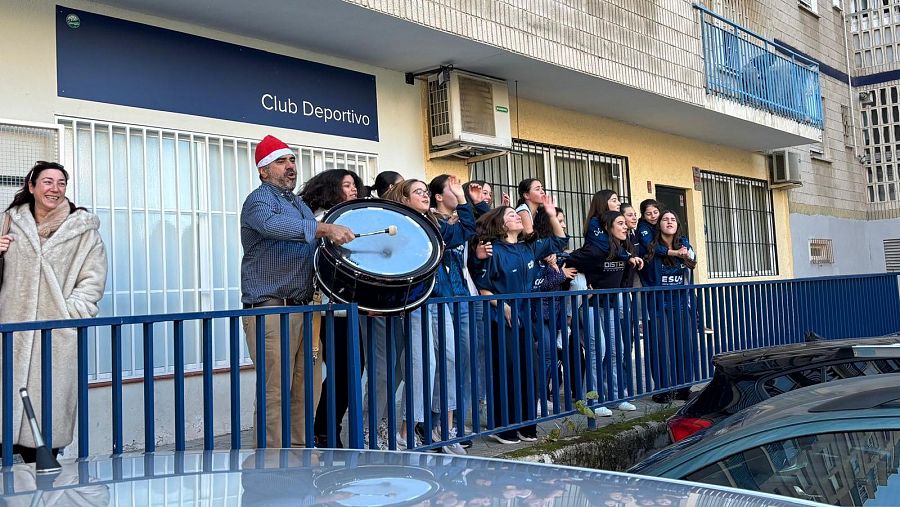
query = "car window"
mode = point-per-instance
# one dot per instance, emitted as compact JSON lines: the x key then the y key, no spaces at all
{"x":853,"y":468}
{"x":826,"y":373}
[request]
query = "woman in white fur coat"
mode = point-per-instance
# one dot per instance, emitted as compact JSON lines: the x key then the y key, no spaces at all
{"x":55,"y":269}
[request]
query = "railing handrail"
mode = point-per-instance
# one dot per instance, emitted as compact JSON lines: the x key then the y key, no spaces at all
{"x":794,"y":54}
{"x":124,"y":320}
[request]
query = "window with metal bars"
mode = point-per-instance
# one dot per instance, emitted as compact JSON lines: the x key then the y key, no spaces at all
{"x":169,"y":204}
{"x":740,"y":226}
{"x":21,"y":145}
{"x":571,"y":175}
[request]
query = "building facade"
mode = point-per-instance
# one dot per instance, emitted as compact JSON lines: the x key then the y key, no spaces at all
{"x":155,"y":108}
{"x":843,"y":217}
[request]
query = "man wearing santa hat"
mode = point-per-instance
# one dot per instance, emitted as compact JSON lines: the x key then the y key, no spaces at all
{"x":278,"y":233}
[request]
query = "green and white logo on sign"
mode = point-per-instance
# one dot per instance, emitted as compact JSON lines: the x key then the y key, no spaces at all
{"x":73,"y":21}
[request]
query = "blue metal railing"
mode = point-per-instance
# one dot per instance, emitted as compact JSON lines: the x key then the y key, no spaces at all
{"x":746,"y":67}
{"x":623,"y":344}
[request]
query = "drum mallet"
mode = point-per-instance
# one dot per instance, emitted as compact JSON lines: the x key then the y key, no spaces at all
{"x":391,"y":231}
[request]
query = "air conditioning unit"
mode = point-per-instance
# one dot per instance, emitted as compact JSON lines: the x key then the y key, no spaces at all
{"x":867,"y":98}
{"x":784,"y":169}
{"x":468,"y":112}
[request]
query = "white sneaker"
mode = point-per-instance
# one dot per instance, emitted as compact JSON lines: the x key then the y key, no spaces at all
{"x":526,"y":438}
{"x":503,"y":440}
{"x":602,"y":412}
{"x":401,"y":442}
{"x":627,"y":407}
{"x":456,"y":448}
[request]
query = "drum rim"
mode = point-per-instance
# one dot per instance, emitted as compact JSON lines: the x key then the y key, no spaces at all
{"x":407,"y":307}
{"x":417,"y":275}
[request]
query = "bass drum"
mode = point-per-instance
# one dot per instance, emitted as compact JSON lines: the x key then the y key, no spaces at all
{"x":380,"y":273}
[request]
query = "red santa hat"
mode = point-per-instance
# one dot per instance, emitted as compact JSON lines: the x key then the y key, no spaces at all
{"x":269,"y":150}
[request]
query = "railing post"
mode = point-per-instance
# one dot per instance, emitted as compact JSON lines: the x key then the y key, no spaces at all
{"x":208,"y":430}
{"x":234,"y":356}
{"x":149,"y":411}
{"x":83,"y":413}
{"x":117,"y":389}
{"x":354,"y":415}
{"x":7,"y":392}
{"x":178,"y":328}
{"x":47,"y":386}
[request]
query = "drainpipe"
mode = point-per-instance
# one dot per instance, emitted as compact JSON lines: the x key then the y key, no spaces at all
{"x":850,"y":82}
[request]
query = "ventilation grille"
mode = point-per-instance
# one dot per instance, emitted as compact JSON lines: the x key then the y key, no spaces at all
{"x":892,"y":254}
{"x":20,"y":147}
{"x":820,"y":251}
{"x":476,"y":106}
{"x":439,"y":108}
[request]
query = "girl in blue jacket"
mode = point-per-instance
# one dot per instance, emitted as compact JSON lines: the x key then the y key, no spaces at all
{"x":512,"y":268}
{"x":605,"y":269}
{"x":456,"y":219}
{"x":651,"y":211}
{"x":670,"y":340}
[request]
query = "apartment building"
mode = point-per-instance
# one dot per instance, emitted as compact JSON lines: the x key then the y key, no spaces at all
{"x":155,"y":107}
{"x":843,"y":217}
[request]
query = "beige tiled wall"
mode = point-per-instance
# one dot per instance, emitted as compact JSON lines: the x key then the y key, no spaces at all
{"x":650,"y":45}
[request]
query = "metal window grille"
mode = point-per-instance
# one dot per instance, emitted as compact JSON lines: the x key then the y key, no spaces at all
{"x":892,"y":254}
{"x":439,"y":107}
{"x":820,"y":251}
{"x":21,"y":145}
{"x":169,"y":205}
{"x":740,"y":226}
{"x":880,"y":126}
{"x":572,"y":175}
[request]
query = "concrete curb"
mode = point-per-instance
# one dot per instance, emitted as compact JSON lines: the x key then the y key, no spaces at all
{"x":615,"y":452}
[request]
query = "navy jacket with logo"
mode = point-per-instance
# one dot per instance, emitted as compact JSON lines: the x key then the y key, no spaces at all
{"x":513,"y":267}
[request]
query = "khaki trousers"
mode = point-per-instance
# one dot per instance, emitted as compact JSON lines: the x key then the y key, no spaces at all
{"x":297,"y":388}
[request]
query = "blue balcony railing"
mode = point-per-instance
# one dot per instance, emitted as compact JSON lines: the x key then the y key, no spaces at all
{"x":745,"y":67}
{"x":621,"y":344}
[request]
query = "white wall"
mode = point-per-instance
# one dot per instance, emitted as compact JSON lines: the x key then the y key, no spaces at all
{"x":857,"y":244}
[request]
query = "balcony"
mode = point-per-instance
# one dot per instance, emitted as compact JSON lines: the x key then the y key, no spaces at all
{"x":743,"y":67}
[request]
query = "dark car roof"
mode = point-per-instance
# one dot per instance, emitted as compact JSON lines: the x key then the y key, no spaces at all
{"x":803,"y":403}
{"x":762,"y":361}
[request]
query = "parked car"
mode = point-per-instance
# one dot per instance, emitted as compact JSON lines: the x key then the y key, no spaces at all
{"x":836,"y":443}
{"x":745,"y":378}
{"x":350,"y":478}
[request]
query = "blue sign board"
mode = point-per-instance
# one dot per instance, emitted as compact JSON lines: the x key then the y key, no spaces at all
{"x":105,"y":59}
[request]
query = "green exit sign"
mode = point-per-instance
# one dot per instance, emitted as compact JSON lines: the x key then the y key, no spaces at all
{"x":502,"y":109}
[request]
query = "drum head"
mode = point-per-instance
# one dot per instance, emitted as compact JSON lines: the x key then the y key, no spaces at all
{"x":415,"y":249}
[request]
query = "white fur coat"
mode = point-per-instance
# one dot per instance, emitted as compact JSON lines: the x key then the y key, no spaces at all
{"x":63,"y":278}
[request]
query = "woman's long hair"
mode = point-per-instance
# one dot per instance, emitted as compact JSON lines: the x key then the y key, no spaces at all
{"x":524,"y":187}
{"x":659,"y":240}
{"x":383,"y":182}
{"x":403,"y":190}
{"x":24,"y":195}
{"x":599,"y":206}
{"x":607,"y":221}
{"x":325,"y":189}
{"x":542,"y":227}
{"x":491,"y":226}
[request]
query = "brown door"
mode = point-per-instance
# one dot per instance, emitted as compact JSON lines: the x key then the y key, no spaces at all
{"x":674,"y":199}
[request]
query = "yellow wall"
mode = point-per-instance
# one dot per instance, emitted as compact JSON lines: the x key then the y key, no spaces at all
{"x":663,"y":159}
